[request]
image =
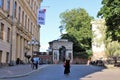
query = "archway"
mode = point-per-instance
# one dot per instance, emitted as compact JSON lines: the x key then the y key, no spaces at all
{"x":62,"y":52}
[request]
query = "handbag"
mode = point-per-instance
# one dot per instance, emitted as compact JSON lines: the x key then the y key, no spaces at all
{"x":64,"y":64}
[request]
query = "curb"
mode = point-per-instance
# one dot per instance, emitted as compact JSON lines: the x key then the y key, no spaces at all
{"x":22,"y":75}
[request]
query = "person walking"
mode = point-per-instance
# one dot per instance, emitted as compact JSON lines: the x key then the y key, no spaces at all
{"x":67,"y":66}
{"x":35,"y":61}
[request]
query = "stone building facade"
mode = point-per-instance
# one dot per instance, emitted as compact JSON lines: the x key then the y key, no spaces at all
{"x":61,"y":49}
{"x":98,"y":46}
{"x":17,"y":27}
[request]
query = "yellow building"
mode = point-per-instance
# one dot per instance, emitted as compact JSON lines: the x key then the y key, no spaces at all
{"x":18,"y":26}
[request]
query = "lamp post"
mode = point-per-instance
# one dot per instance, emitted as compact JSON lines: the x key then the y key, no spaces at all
{"x":33,"y":43}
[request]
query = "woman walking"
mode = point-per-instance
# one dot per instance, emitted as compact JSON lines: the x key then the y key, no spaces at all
{"x":67,"y":66}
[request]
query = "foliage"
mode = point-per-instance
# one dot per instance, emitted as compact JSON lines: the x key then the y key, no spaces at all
{"x":76,"y":22}
{"x":111,"y":12}
{"x":113,"y":49}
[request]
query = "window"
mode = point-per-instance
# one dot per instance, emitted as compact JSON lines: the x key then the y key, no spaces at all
{"x":31,"y":4}
{"x":19,"y":14}
{"x":28,"y":25}
{"x":35,"y":7}
{"x":8,"y":5}
{"x":25,"y":21}
{"x":1,"y":31}
{"x":69,"y":55}
{"x":31,"y":27}
{"x":55,"y":56}
{"x":0,"y":56}
{"x":8,"y":35}
{"x":1,"y":3}
{"x":15,"y":9}
{"x":28,"y":1}
{"x":7,"y":57}
{"x":23,"y":18}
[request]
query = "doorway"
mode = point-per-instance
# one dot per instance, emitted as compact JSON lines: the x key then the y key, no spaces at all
{"x":62,"y":52}
{"x":0,"y":56}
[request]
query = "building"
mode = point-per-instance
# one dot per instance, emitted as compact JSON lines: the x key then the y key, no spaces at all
{"x":61,"y":49}
{"x":98,"y":46}
{"x":45,"y":57}
{"x":18,"y":25}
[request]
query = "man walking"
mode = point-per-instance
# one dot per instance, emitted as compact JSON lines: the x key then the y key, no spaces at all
{"x":35,"y":62}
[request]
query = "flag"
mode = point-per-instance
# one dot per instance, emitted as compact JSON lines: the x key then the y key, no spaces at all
{"x":41,"y":16}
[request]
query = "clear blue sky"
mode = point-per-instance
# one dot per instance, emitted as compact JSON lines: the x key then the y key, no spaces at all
{"x":50,"y":31}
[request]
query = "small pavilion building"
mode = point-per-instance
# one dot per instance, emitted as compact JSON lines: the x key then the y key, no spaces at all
{"x":61,"y":49}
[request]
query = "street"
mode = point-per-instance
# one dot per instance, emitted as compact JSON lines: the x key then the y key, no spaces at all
{"x":55,"y":72}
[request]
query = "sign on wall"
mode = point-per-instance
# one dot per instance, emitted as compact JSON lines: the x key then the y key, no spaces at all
{"x":41,"y":16}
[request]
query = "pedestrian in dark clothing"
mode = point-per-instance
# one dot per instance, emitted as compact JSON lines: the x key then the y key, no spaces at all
{"x":18,"y":61}
{"x":67,"y":66}
{"x":32,"y":62}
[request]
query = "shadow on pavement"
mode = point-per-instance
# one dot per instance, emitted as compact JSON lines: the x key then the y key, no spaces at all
{"x":84,"y":70}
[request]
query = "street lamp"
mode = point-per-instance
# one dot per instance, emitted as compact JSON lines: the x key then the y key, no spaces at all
{"x":33,"y":43}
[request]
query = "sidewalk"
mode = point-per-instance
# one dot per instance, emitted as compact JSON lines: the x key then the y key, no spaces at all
{"x":17,"y":71}
{"x":106,"y":74}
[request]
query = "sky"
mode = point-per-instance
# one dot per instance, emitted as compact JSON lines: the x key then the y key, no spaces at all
{"x":50,"y":31}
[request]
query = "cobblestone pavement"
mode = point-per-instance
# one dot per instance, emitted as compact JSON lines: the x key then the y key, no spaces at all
{"x":17,"y":71}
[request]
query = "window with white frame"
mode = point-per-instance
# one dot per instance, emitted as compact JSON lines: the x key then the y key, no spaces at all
{"x":1,"y":30}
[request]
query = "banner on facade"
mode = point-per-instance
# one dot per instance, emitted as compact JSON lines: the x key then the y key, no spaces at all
{"x":41,"y":16}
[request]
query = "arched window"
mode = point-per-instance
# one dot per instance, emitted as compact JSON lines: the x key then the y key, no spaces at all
{"x":15,"y":8}
{"x":1,"y":3}
{"x":8,"y":6}
{"x":19,"y":13}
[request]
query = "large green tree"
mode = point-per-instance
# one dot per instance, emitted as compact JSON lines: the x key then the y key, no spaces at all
{"x":76,"y":22}
{"x":111,"y":12}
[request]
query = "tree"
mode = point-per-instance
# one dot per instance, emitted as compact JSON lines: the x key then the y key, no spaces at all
{"x":76,"y":22}
{"x":111,"y":12}
{"x":113,"y":49}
